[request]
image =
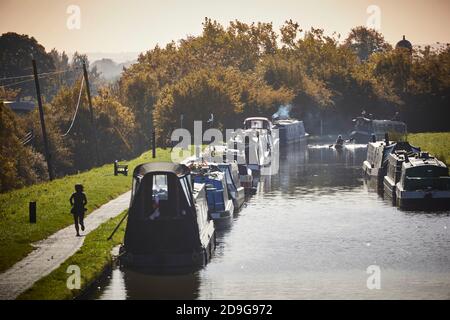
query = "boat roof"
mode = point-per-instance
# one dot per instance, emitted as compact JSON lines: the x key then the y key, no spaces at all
{"x":421,"y":161}
{"x":392,"y":122}
{"x":287,"y":121}
{"x":256,"y":118}
{"x":162,"y":167}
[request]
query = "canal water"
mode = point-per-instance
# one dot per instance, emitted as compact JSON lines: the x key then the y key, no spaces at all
{"x":314,"y":231}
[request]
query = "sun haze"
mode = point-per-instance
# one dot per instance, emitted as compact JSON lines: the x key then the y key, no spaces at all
{"x":137,"y":25}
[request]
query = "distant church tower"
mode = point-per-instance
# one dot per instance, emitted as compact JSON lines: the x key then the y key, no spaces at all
{"x":404,"y":44}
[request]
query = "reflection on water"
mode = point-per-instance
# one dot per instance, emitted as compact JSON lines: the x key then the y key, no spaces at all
{"x":311,"y":232}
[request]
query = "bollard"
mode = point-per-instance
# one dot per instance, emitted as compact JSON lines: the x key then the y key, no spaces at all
{"x":115,"y":167}
{"x":32,"y":210}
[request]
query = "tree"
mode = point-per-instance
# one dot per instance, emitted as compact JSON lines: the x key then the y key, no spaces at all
{"x":365,"y":42}
{"x":19,"y":164}
{"x":116,"y":128}
{"x":225,"y":92}
{"x":16,"y":52}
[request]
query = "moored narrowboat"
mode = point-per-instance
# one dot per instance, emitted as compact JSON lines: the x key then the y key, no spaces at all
{"x":394,"y":169}
{"x":375,"y":166}
{"x":366,"y":128}
{"x":220,"y":205}
{"x":290,"y":131}
{"x":230,"y":153}
{"x":248,"y":182}
{"x":424,"y":183}
{"x":235,"y":190}
{"x":259,"y":142}
{"x":168,"y":223}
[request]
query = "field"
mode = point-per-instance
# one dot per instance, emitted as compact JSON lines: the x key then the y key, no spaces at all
{"x":437,"y":143}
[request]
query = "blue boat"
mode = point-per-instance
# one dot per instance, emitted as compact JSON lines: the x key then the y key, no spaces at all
{"x":220,"y":205}
{"x":235,"y":190}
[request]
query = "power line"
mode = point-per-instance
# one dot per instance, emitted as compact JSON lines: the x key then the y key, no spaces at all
{"x":76,"y":109}
{"x":18,"y":77}
{"x":16,"y":83}
{"x":40,"y":74}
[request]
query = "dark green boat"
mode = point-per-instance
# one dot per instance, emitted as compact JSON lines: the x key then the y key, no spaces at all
{"x":424,"y":183}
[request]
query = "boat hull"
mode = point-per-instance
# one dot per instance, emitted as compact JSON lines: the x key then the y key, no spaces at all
{"x":389,"y":189}
{"x":374,"y":174}
{"x":223,"y":219}
{"x":238,"y":198}
{"x":434,"y":199}
{"x":166,"y":262}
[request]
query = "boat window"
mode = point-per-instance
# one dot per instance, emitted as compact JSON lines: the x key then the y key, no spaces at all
{"x":160,"y":188}
{"x":254,"y":124}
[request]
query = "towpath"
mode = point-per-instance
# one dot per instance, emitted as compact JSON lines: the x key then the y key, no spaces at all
{"x":50,"y":253}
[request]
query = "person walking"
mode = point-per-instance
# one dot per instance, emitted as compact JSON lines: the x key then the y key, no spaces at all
{"x":78,"y":202}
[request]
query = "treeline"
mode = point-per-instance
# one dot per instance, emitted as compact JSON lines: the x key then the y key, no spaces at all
{"x":70,"y":131}
{"x":232,"y":72}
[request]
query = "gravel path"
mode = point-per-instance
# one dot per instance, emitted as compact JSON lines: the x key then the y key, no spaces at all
{"x":50,"y":253}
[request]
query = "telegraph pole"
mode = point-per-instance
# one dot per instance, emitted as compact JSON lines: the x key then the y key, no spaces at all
{"x":88,"y":91}
{"x":41,"y":115}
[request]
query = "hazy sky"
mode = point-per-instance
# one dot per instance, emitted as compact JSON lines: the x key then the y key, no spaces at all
{"x":137,"y":25}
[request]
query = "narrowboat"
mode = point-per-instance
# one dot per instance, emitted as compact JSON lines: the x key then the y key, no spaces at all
{"x":290,"y":131}
{"x":365,"y":129}
{"x":259,"y":142}
{"x":394,"y":169}
{"x":424,"y":183}
{"x":375,"y":166}
{"x":168,"y":223}
{"x":220,"y":204}
{"x":249,"y":183}
{"x":231,"y":154}
{"x":235,"y":190}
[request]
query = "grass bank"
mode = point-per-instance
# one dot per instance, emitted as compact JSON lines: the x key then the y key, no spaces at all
{"x":437,"y":143}
{"x":92,"y":258}
{"x":53,"y":208}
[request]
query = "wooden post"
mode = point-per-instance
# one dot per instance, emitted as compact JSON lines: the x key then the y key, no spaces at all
{"x":116,"y":167}
{"x":41,"y":116}
{"x":94,"y":129}
{"x":153,"y":144}
{"x":32,"y":211}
